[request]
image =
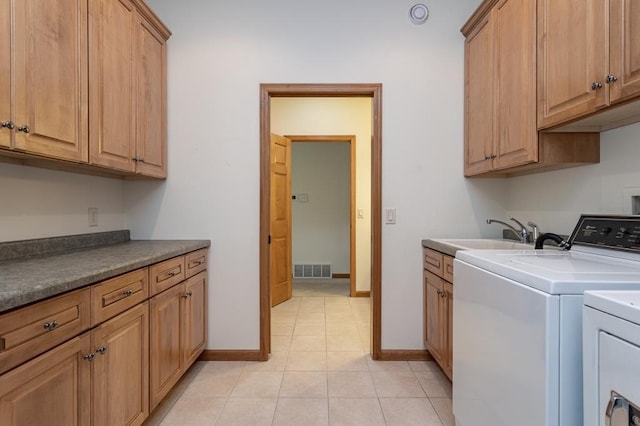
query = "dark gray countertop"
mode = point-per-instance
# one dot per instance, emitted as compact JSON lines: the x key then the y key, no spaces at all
{"x":25,"y":280}
{"x":441,"y":247}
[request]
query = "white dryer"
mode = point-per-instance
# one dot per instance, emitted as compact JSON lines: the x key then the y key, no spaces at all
{"x":611,"y":363}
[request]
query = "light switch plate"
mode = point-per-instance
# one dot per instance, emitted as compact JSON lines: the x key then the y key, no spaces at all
{"x":93,"y":216}
{"x":390,"y":216}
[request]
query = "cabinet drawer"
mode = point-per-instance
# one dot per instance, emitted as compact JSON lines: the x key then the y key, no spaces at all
{"x":196,"y":262}
{"x":447,"y":269}
{"x":166,"y":274}
{"x":432,"y":261}
{"x":30,"y":331}
{"x":111,"y":297}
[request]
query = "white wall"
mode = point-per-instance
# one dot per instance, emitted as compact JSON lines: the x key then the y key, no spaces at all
{"x":337,"y":116}
{"x":219,"y":54}
{"x":600,"y":188}
{"x":39,"y":203}
{"x":321,"y":225}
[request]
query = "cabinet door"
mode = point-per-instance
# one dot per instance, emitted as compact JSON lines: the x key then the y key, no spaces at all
{"x":5,"y":71}
{"x":121,"y":369}
{"x":625,"y":49}
{"x":52,"y":389}
{"x":151,"y":100}
{"x":516,"y":134}
{"x":113,"y":25}
{"x":448,"y":317}
{"x":433,"y":287}
{"x":165,"y":356}
{"x":195,"y":318}
{"x":51,"y":78}
{"x":572,"y":55}
{"x":479,"y":90}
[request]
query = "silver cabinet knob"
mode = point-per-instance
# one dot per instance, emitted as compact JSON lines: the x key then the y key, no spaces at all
{"x":611,"y":78}
{"x":89,"y":357}
{"x":8,"y":124}
{"x":51,"y":325}
{"x":24,"y":129}
{"x":101,"y":350}
{"x":596,"y":85}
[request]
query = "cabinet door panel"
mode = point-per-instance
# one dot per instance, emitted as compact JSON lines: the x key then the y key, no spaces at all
{"x":479,"y":89}
{"x":121,"y":371}
{"x":53,"y":389}
{"x":5,"y":71}
{"x":515,"y":83}
{"x":195,"y":317}
{"x":51,"y":78}
{"x":112,"y":83}
{"x":151,"y":102}
{"x":165,"y":361}
{"x":625,"y":49}
{"x":572,"y":54}
{"x":433,"y":333}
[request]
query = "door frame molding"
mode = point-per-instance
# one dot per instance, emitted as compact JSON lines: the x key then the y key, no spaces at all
{"x":373,"y":91}
{"x":351,"y":140}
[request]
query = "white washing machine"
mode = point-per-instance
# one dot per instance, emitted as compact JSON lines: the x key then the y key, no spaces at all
{"x":611,"y":365}
{"x":517,"y":323}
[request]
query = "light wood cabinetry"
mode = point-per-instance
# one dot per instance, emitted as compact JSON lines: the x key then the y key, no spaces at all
{"x":52,"y":389}
{"x":438,"y":305}
{"x":114,"y":373}
{"x":127,"y":88}
{"x":166,"y":274}
{"x":84,"y":82}
{"x":501,"y":136}
{"x":588,"y":60}
{"x":177,"y":333}
{"x":121,"y":368}
{"x":45,"y":110}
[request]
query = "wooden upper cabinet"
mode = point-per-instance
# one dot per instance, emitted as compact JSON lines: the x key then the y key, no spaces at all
{"x":50,"y":54}
{"x":572,"y":59}
{"x":624,"y":50}
{"x":515,"y":136}
{"x":479,"y":80}
{"x":128,"y":88}
{"x":500,"y":102}
{"x":5,"y":72}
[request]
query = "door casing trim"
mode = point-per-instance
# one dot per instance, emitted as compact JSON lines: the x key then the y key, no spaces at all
{"x":373,"y":91}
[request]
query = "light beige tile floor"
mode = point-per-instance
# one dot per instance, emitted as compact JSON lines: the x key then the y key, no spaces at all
{"x":320,"y":373}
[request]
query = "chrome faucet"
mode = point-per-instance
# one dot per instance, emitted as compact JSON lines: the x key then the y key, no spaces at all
{"x":535,"y":229}
{"x":524,"y":234}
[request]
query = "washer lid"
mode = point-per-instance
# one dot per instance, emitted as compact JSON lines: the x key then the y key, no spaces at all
{"x":622,"y":304}
{"x":557,"y":272}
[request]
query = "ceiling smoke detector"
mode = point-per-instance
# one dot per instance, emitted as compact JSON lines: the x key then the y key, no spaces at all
{"x":418,"y":14}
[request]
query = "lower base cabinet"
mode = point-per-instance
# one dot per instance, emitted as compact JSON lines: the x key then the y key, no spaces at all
{"x":121,"y":369}
{"x":178,"y":333}
{"x":52,"y":389}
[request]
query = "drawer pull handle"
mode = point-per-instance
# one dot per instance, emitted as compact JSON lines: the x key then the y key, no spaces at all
{"x":24,"y":128}
{"x":52,"y":325}
{"x":187,"y":294}
{"x":8,"y":124}
{"x":172,"y":274}
{"x":198,"y":262}
{"x":101,"y":350}
{"x":127,"y":293}
{"x":89,"y":357}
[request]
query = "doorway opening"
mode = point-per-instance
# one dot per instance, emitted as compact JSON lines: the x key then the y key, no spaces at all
{"x":268,"y":91}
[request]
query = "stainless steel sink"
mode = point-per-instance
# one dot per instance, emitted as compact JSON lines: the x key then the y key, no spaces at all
{"x":485,"y":244}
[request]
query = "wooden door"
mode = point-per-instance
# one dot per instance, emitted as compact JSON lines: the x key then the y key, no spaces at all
{"x":433,"y":287}
{"x":165,"y":360}
{"x":151,"y":101}
{"x":280,"y":248}
{"x":516,"y":134}
{"x":5,"y":72}
{"x":479,"y":92}
{"x":52,"y":389}
{"x":573,"y":54}
{"x":121,"y":369}
{"x":194,"y":329}
{"x":625,"y":49}
{"x":51,"y":78}
{"x":112,"y":27}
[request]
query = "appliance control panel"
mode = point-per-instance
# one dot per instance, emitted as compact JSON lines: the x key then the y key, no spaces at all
{"x":616,"y":232}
